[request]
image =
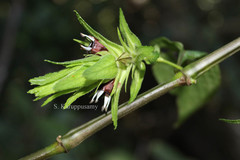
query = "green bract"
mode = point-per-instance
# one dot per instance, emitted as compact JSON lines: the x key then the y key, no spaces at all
{"x":114,"y":64}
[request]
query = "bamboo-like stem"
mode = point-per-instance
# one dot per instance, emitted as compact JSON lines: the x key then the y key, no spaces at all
{"x":75,"y":136}
{"x":202,"y":65}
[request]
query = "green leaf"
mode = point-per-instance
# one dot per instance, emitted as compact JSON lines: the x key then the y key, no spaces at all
{"x":78,"y":94}
{"x":112,"y":47}
{"x":231,"y":121}
{"x":169,"y":47}
{"x":164,"y":42}
{"x":136,"y":84}
{"x":192,"y":98}
{"x":130,"y":38}
{"x":190,"y":55}
{"x":105,"y":68}
{"x":162,"y":72}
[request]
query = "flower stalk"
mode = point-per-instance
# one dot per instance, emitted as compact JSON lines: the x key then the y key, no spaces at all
{"x":162,"y":60}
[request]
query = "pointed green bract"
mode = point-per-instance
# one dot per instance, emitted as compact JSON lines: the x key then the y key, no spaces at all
{"x":43,"y":91}
{"x":50,"y":77}
{"x":231,"y":121}
{"x":130,"y":38}
{"x":121,"y":76}
{"x":105,"y":68}
{"x":73,"y":80}
{"x":114,"y":107}
{"x":92,"y":58}
{"x":85,"y":43}
{"x":78,"y":94}
{"x":126,"y":48}
{"x":136,"y":84}
{"x":112,"y":47}
{"x":51,"y":98}
{"x":126,"y":80}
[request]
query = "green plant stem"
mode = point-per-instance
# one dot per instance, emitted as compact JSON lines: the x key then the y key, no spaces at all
{"x":202,"y":65}
{"x":162,"y":60}
{"x":74,"y":137}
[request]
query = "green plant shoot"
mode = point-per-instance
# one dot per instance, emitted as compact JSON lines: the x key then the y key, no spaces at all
{"x":106,"y":64}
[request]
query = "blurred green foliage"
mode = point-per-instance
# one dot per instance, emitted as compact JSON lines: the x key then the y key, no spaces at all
{"x":46,"y":32}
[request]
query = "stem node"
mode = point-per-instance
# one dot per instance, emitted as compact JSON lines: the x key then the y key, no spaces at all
{"x":59,"y":140}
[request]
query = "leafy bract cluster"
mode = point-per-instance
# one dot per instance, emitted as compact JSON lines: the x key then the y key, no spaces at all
{"x":83,"y":75}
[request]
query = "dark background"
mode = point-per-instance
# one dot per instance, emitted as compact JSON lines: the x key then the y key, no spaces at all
{"x":34,"y":30}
